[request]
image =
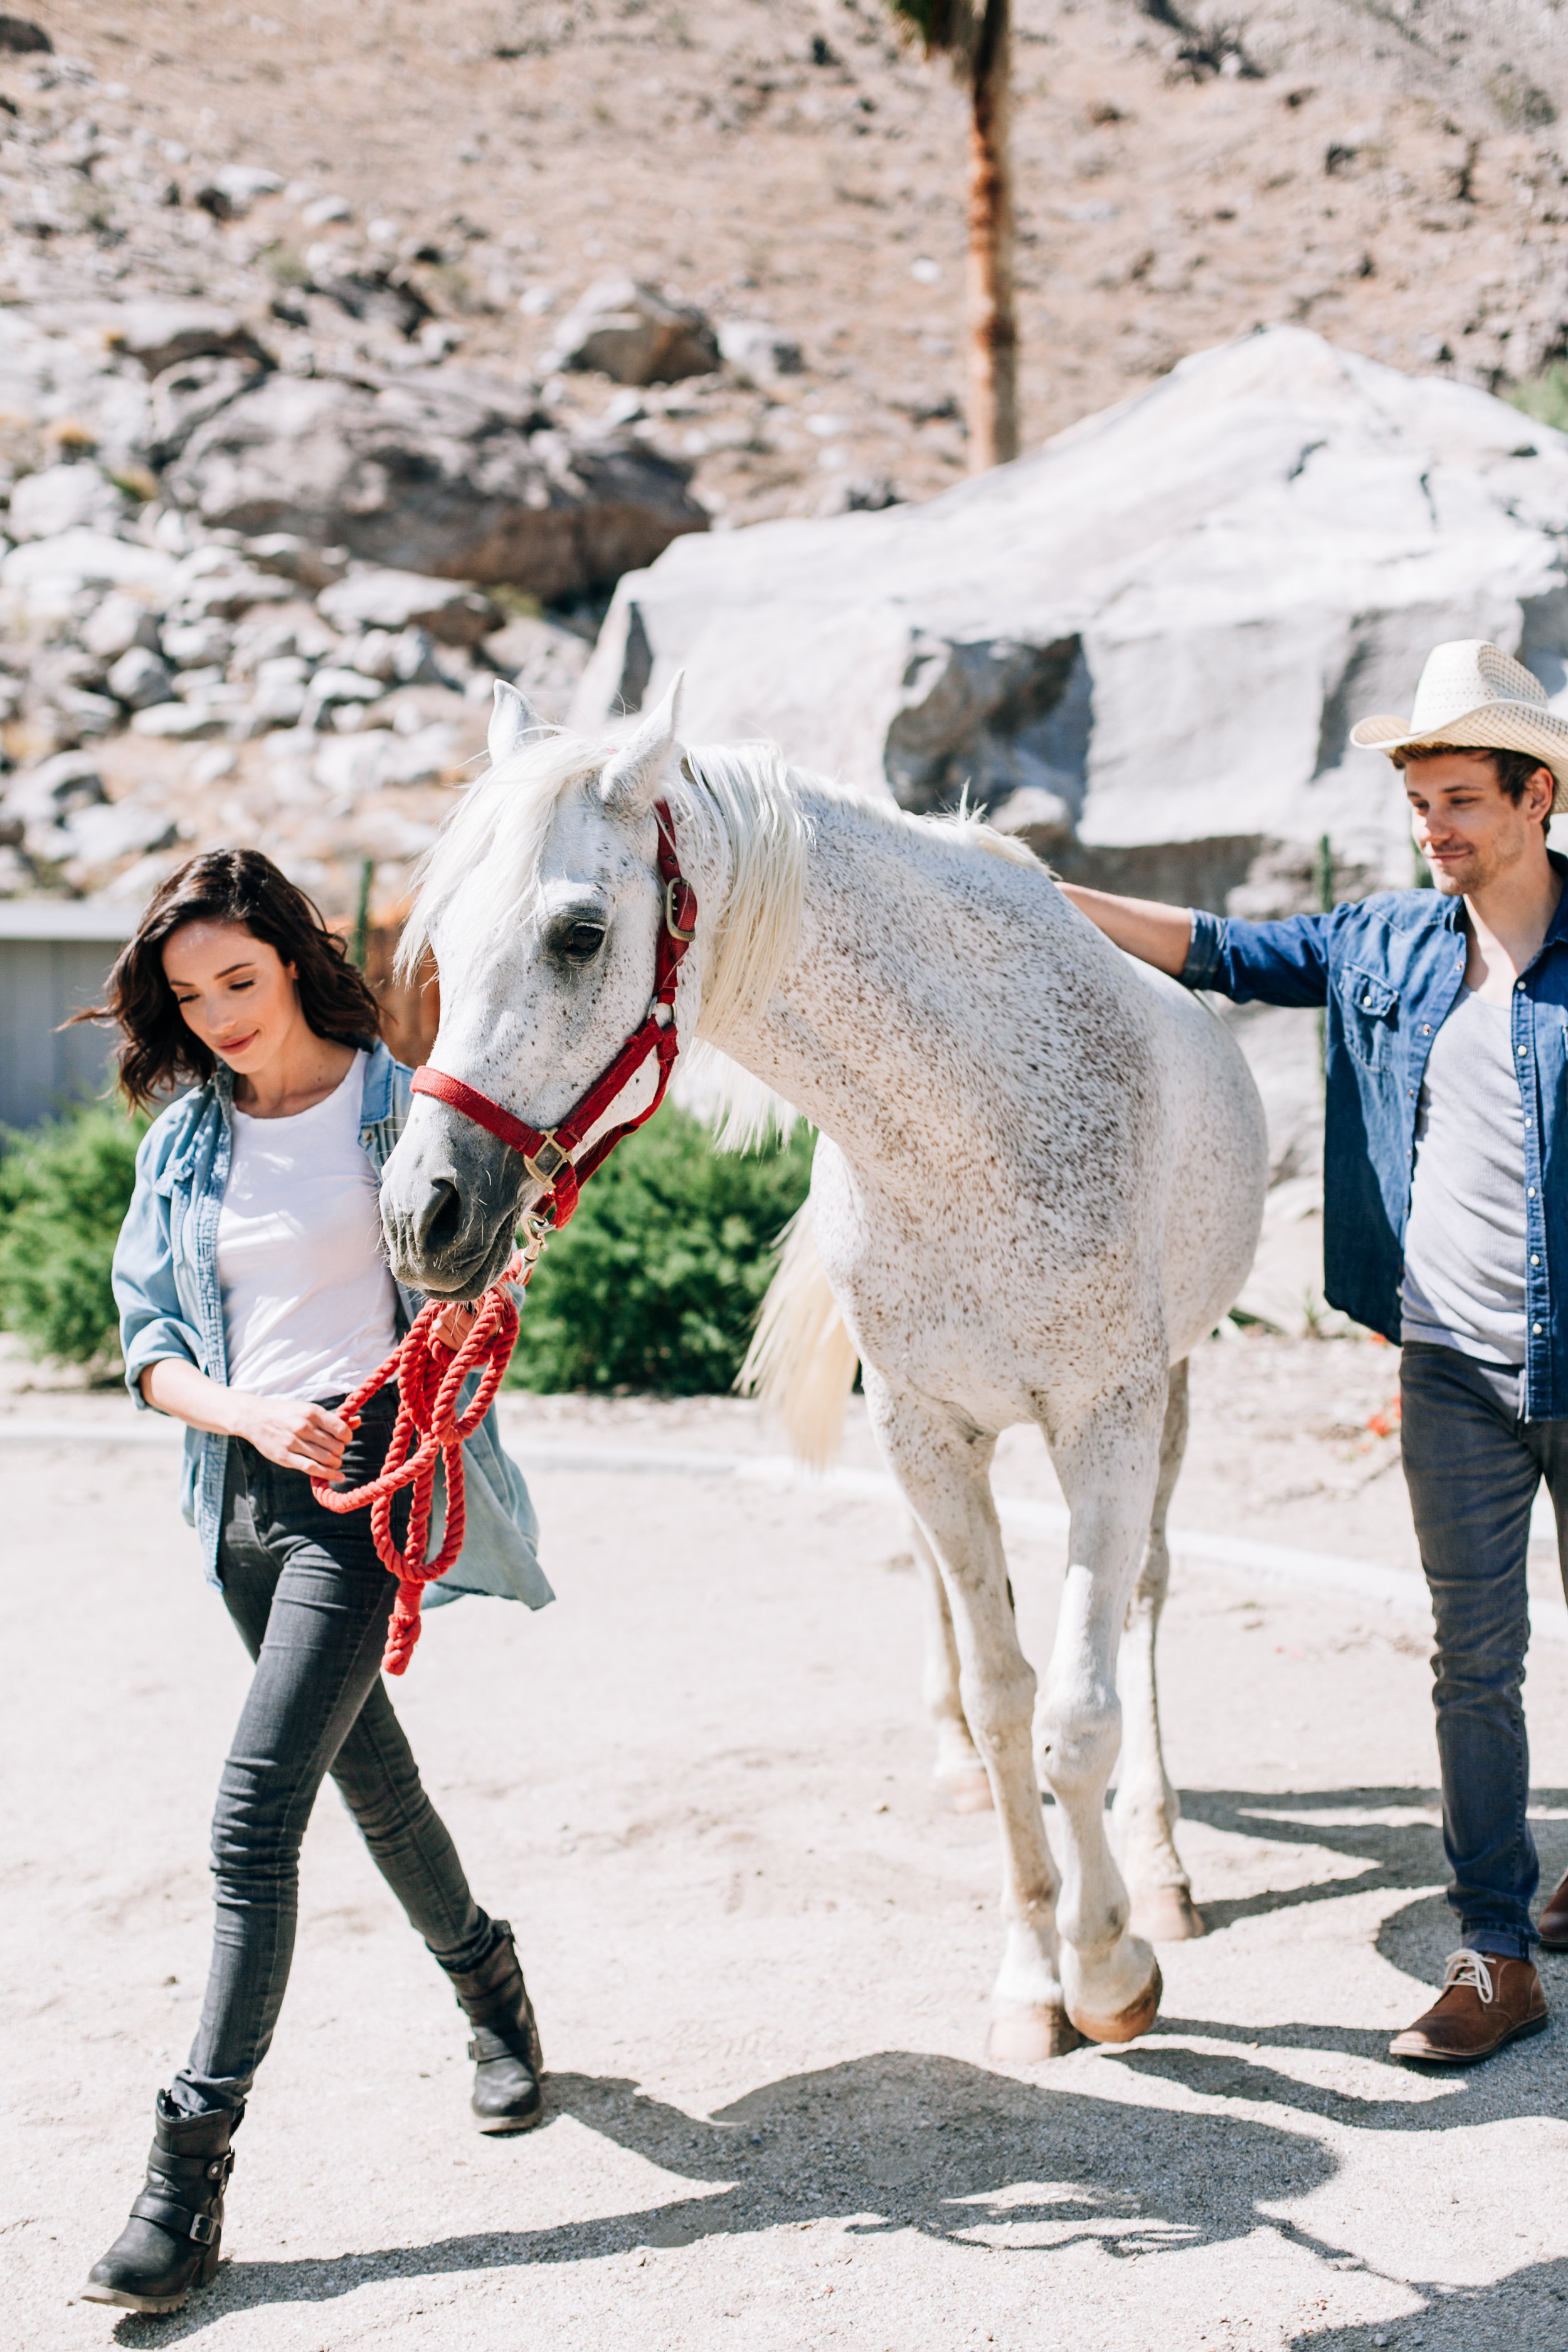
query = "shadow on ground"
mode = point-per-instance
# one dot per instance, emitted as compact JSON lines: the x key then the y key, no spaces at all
{"x":1530,"y":2307}
{"x":892,"y":2142}
{"x":903,"y":2141}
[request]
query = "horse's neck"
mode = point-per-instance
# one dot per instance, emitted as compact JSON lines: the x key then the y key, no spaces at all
{"x":891,"y":1018}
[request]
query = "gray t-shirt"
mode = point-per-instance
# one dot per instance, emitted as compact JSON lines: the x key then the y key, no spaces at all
{"x":1465,"y":1244}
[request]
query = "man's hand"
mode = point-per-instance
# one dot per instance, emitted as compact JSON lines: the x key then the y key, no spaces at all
{"x":291,"y":1431}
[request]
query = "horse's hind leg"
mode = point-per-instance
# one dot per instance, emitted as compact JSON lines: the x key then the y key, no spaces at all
{"x":1147,"y":1808}
{"x":959,"y":1774}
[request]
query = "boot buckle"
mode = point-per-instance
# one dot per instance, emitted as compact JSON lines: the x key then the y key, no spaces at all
{"x":204,"y":2228}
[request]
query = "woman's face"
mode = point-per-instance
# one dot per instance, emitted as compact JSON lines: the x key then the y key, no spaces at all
{"x":235,"y":991}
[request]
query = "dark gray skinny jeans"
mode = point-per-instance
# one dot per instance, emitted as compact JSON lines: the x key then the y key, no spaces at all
{"x":1473,"y":1467}
{"x":312,"y":1601}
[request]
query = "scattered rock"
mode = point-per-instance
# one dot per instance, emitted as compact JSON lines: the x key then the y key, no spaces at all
{"x":861,"y":494}
{"x":159,"y":334}
{"x":65,"y":497}
{"x":295,"y":559}
{"x":22,"y":37}
{"x":49,"y":791}
{"x":223,"y":589}
{"x":544,"y":660}
{"x":239,"y":185}
{"x":186,"y":394}
{"x":198,"y":645}
{"x":445,"y":472}
{"x":358,"y":764}
{"x":451,"y":611}
{"x":110,"y":830}
{"x":184,"y":721}
{"x":118,"y":622}
{"x":77,"y":560}
{"x":757,"y":352}
{"x":631,"y":332}
{"x":322,"y":211}
{"x":139,"y":679}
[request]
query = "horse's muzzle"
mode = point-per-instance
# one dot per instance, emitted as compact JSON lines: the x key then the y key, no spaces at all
{"x":449,"y":1200}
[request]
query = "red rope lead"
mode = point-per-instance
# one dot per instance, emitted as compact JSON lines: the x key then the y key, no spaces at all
{"x":429,"y":1379}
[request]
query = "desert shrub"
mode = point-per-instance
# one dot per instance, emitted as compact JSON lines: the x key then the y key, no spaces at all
{"x":1543,"y":397}
{"x":655,"y":1281}
{"x":64,"y":1190}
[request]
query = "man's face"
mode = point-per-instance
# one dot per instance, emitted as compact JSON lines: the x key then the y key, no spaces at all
{"x":1465,"y":825}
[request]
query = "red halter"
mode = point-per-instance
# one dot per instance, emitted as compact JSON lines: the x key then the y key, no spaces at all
{"x":547,"y":1152}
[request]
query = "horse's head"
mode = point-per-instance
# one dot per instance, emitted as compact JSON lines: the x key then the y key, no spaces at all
{"x":542,"y":904}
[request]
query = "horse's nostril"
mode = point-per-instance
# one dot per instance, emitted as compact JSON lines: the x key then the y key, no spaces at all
{"x":442,"y":1224}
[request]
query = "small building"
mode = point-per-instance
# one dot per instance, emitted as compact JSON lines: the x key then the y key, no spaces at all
{"x":55,"y":955}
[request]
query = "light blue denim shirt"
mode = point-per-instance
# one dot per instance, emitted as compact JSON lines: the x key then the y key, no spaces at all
{"x":166,"y":1288}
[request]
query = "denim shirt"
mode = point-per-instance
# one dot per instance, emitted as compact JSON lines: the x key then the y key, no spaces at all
{"x":1388,"y":972}
{"x":166,"y":1288}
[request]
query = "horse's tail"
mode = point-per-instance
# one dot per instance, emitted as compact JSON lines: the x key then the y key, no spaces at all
{"x":802,"y":1360}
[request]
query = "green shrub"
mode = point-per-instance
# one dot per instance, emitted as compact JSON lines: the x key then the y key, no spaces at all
{"x":1543,"y":397}
{"x":64,"y":1190}
{"x":655,"y":1281}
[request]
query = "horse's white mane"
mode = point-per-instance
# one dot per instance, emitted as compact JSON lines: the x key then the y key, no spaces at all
{"x":747,"y":803}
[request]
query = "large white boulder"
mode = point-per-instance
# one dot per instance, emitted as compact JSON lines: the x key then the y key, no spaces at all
{"x":1160,"y":627}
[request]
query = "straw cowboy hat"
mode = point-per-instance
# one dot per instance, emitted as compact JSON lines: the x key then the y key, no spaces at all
{"x":1474,"y":697}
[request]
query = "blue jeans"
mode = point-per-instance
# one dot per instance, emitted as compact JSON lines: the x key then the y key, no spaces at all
{"x":1473,"y":1467}
{"x":312,"y":1601}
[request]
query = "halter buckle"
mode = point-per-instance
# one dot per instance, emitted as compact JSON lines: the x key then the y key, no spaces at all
{"x":545,"y":1164}
{"x":680,"y":910}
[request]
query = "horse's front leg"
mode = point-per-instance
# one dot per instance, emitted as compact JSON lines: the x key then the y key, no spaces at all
{"x":1144,"y":1818}
{"x":943,"y":1469}
{"x":1108,"y":1465}
{"x":959,"y":1774}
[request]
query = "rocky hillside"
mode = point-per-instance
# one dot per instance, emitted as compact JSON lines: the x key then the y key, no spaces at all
{"x":307,"y":436}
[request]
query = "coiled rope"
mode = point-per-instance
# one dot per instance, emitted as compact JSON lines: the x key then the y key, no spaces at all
{"x":428,"y":1429}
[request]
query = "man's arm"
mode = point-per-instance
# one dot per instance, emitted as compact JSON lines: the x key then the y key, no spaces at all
{"x":1156,"y":934}
{"x":1284,"y":962}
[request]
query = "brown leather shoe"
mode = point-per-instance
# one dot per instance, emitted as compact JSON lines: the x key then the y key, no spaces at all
{"x":1486,"y":2001}
{"x":1554,"y":1929}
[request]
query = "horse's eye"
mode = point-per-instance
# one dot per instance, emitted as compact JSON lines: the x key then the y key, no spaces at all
{"x":580,"y":942}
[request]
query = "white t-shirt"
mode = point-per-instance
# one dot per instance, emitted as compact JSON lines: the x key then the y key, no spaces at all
{"x":1465,"y":1243}
{"x":309,"y":1306}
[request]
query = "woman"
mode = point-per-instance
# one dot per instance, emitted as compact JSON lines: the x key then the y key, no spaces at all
{"x":252,"y":1297}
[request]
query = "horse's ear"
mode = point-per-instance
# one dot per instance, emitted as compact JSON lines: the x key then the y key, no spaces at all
{"x":630,"y":780}
{"x":512,"y":720}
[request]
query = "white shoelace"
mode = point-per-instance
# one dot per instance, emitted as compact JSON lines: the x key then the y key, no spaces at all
{"x":1468,"y":1968}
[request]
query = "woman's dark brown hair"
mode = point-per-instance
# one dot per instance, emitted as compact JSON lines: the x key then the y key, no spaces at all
{"x":159,"y":1052}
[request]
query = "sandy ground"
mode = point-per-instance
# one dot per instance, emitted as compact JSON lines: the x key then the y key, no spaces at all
{"x":698,"y":1784}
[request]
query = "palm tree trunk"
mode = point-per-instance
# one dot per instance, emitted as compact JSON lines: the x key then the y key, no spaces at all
{"x":993,"y":329}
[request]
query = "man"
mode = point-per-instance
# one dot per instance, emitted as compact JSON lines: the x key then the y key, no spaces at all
{"x":1446,"y":1228}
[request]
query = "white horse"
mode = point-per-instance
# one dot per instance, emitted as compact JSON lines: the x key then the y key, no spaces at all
{"x":1038,"y":1182}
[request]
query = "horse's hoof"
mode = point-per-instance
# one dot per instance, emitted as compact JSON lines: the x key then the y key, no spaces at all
{"x":1023,"y":2037}
{"x":1166,"y":1915}
{"x":1129,"y":2022}
{"x":966,"y":1791}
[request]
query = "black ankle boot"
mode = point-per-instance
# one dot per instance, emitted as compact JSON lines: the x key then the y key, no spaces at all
{"x":508,"y":2060}
{"x":170,"y":2244}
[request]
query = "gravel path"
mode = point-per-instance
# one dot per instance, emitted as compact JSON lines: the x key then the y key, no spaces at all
{"x":699,"y":1786}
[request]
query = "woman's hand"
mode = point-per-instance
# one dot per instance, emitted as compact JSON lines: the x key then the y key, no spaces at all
{"x":291,"y":1431}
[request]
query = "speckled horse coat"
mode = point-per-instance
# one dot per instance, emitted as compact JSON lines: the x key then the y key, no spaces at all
{"x":1039,"y":1181}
